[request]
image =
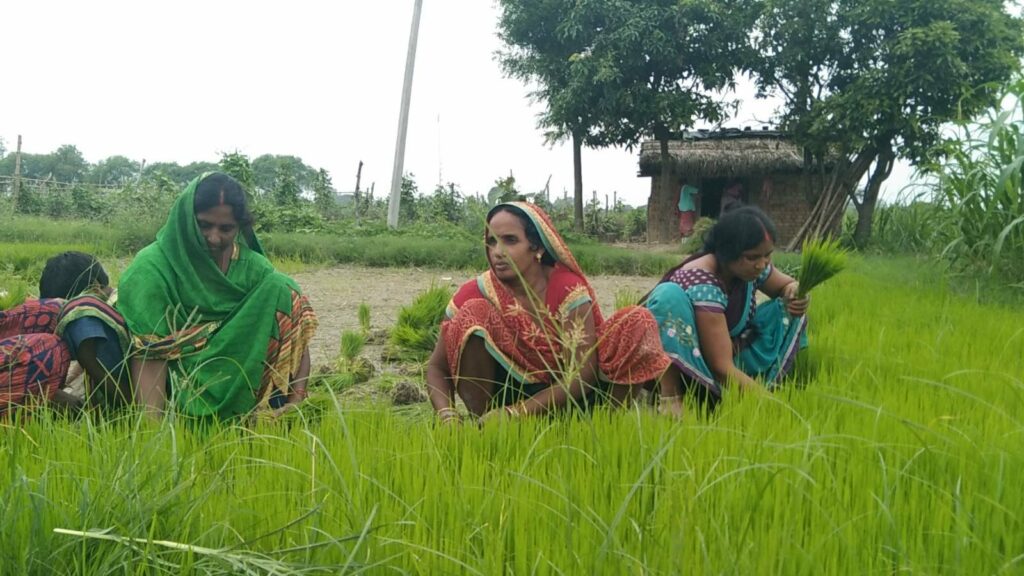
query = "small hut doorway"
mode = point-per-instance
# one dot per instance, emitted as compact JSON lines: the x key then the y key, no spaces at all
{"x":711,"y":193}
{"x":711,"y":197}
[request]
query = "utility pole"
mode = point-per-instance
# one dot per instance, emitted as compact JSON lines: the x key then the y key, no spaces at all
{"x":403,"y":120}
{"x":17,"y":174}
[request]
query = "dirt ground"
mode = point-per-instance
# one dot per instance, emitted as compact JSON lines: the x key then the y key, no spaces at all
{"x":337,"y":292}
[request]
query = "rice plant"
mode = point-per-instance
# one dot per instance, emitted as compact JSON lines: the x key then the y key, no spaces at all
{"x":364,"y":318}
{"x":898,"y":453}
{"x":626,"y":297}
{"x":13,"y":292}
{"x":415,"y":333}
{"x":820,"y":259}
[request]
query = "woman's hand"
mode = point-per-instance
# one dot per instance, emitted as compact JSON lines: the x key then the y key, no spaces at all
{"x":795,"y":306}
{"x":510,"y":412}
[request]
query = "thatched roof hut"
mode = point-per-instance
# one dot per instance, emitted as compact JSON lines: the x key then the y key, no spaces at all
{"x":766,"y":165}
{"x":726,"y":153}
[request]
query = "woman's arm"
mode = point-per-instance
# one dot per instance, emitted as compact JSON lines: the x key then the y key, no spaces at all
{"x":782,"y":285}
{"x":579,"y":337}
{"x":99,"y":377}
{"x":149,"y":378}
{"x":716,"y":346}
{"x":439,"y":383}
{"x":297,"y":386}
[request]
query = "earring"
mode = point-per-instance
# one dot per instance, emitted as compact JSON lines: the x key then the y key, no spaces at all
{"x":537,"y":257}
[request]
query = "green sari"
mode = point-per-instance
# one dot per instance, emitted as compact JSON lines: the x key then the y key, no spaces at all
{"x":232,"y":341}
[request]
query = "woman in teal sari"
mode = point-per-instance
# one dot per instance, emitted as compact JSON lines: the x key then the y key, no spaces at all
{"x":214,"y":327}
{"x":711,"y":325}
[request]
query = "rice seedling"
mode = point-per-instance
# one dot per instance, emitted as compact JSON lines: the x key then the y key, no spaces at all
{"x":415,"y":332}
{"x":350,"y":359}
{"x":364,"y":318}
{"x":626,"y":297}
{"x":897,"y":452}
{"x":820,"y":259}
{"x":12,"y":293}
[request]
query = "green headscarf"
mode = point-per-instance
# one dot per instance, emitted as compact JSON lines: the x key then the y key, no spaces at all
{"x":213,"y":328}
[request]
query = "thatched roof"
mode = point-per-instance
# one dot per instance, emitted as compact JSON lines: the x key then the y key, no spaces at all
{"x":726,"y":153}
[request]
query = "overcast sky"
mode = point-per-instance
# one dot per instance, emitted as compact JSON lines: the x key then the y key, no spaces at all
{"x":186,"y":80}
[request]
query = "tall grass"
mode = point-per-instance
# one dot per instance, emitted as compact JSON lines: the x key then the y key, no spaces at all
{"x":897,"y":450}
{"x":982,"y":185}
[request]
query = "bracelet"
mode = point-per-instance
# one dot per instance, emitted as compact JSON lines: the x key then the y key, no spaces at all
{"x":515,"y":412}
{"x":446,"y":414}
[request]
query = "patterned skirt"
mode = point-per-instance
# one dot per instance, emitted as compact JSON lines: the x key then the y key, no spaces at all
{"x":33,"y":359}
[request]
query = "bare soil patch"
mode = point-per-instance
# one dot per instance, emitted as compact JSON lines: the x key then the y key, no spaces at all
{"x":336,"y":293}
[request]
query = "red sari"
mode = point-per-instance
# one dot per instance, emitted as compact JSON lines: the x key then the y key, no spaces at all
{"x":628,"y":343}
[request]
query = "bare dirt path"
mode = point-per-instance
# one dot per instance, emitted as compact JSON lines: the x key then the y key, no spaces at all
{"x":337,"y":292}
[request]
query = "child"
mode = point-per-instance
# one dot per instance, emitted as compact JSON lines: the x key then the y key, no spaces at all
{"x":71,"y":320}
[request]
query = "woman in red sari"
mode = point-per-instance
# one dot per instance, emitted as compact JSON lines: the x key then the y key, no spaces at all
{"x":527,"y":336}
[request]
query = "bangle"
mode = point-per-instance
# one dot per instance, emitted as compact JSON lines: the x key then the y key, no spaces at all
{"x":515,"y":412}
{"x":300,"y":392}
{"x":446,"y":414}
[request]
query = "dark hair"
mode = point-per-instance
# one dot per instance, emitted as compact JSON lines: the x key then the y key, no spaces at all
{"x":68,"y":274}
{"x":738,"y":230}
{"x":219,"y":189}
{"x":532,"y":235}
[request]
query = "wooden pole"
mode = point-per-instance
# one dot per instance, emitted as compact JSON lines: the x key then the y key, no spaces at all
{"x":359,"y":176}
{"x":403,"y":120}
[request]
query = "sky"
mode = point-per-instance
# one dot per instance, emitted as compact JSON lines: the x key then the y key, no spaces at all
{"x":188,"y":80}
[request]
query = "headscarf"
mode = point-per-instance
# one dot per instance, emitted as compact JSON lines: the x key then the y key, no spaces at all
{"x":213,"y":328}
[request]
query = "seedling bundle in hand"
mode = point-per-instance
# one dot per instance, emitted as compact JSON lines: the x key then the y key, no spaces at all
{"x":820,"y":259}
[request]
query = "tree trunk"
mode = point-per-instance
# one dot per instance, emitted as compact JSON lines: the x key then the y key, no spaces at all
{"x":577,"y":177}
{"x":837,"y":189}
{"x":662,"y":226}
{"x":866,"y":208}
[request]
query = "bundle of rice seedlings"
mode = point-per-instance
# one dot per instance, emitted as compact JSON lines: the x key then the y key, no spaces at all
{"x":415,"y":333}
{"x":820,"y":259}
{"x":349,"y":361}
{"x":626,"y":297}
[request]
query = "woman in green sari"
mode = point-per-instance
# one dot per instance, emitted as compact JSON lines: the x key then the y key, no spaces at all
{"x":215,"y":328}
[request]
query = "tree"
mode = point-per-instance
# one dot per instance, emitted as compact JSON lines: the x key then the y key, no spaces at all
{"x":655,"y":66}
{"x":114,"y":171}
{"x":266,"y":168}
{"x":66,"y":164}
{"x":323,"y":192}
{"x":867,"y":81}
{"x":540,"y":49}
{"x":236,"y":165}
{"x":286,"y":188}
{"x":408,"y":200}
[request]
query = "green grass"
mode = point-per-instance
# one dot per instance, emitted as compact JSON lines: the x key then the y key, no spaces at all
{"x":897,"y":450}
{"x":298,"y":252}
